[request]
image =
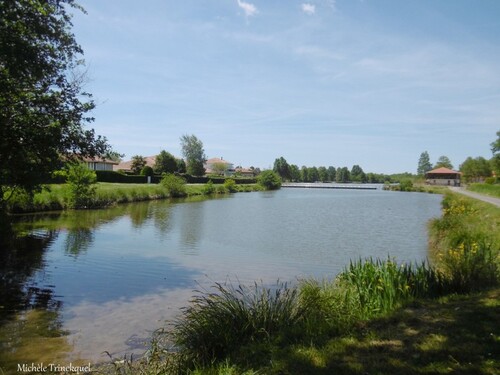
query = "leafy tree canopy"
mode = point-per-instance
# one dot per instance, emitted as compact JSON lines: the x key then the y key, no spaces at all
{"x":43,"y":108}
{"x":138,"y":162}
{"x":165,"y":163}
{"x":443,"y":162}
{"x":192,"y":149}
{"x":424,"y":164}
{"x":269,"y":180}
{"x":282,"y":168}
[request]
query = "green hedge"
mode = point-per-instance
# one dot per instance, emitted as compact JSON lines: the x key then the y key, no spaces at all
{"x":111,"y":176}
{"x":116,"y":177}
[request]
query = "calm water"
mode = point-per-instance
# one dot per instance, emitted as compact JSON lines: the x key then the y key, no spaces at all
{"x":110,"y":277}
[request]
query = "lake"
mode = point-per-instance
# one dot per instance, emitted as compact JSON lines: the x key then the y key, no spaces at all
{"x":103,"y":280}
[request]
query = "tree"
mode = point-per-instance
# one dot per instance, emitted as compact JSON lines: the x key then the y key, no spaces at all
{"x":147,"y":171}
{"x":495,"y":149}
{"x":269,"y":180}
{"x":343,"y":175}
{"x":181,"y":165}
{"x":475,"y":169}
{"x":43,"y":108}
{"x":443,"y":162}
{"x":192,"y":149}
{"x":312,"y":174}
{"x":331,"y":173}
{"x":357,"y":174}
{"x":219,"y":168}
{"x":165,"y":163}
{"x":282,"y":168}
{"x":304,"y":174}
{"x":323,"y":174}
{"x":495,"y":146}
{"x":138,"y":162}
{"x":81,"y":185}
{"x":294,"y":173}
{"x":424,"y":164}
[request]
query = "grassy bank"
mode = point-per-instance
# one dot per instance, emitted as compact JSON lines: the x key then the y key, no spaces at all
{"x":488,"y":189}
{"x":55,"y":197}
{"x":374,"y":317}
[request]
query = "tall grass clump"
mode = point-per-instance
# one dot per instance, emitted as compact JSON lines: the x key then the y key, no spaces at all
{"x":220,"y":324}
{"x":382,"y":286}
{"x":466,"y":244}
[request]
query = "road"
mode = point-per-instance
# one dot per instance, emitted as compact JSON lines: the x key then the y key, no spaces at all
{"x":484,"y":198}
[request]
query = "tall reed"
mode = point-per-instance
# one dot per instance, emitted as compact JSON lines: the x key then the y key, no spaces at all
{"x":217,"y":323}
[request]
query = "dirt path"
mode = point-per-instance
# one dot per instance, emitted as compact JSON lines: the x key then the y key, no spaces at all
{"x":484,"y":198}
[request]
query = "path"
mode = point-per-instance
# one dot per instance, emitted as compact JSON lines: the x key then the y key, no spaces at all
{"x":484,"y":198}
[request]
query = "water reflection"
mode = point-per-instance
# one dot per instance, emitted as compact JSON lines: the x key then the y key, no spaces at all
{"x":139,"y":263}
{"x":22,"y":257}
{"x":77,"y":241}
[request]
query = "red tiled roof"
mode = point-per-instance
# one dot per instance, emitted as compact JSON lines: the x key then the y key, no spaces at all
{"x":442,"y":170}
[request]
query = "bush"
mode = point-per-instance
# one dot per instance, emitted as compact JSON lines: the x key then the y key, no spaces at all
{"x":269,"y":180}
{"x":209,"y":188}
{"x":175,"y":185}
{"x":230,"y":185}
{"x":147,"y":171}
{"x":81,"y":185}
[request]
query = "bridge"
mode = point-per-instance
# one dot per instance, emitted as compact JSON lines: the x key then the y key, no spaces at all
{"x":328,"y":186}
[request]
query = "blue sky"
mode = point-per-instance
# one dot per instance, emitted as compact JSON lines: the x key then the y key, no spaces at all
{"x":325,"y":82}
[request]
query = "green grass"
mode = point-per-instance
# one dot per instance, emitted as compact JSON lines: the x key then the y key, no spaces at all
{"x":55,"y":197}
{"x":487,"y":189}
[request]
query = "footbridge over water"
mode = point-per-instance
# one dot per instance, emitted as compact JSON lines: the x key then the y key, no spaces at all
{"x":328,"y":186}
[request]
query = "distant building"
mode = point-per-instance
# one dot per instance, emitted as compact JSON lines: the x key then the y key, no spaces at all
{"x":96,"y":164}
{"x":443,"y":177}
{"x":219,"y":166}
{"x":126,"y":166}
{"x":245,"y":172}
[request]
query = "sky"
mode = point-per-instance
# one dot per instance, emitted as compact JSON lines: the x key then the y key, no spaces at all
{"x":319,"y":82}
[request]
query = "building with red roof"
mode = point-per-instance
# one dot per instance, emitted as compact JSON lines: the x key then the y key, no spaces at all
{"x":443,"y":176}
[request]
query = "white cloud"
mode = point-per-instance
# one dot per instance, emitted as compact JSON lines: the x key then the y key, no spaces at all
{"x":248,"y":8}
{"x":308,"y":8}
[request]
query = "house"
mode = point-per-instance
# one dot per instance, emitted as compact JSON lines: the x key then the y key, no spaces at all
{"x":126,"y":166}
{"x":102,"y":164}
{"x":219,"y":166}
{"x":245,"y":172}
{"x":443,"y":176}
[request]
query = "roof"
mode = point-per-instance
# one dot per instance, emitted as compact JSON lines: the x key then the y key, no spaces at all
{"x":442,"y":170}
{"x":99,"y":160}
{"x":127,"y":165}
{"x":217,"y":160}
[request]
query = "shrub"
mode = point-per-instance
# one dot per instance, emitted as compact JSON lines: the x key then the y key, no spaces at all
{"x":147,"y":171}
{"x":230,"y":185}
{"x":490,"y":180}
{"x":175,"y":185}
{"x":209,"y":188}
{"x":406,"y":185}
{"x":269,"y":180}
{"x":81,"y":185}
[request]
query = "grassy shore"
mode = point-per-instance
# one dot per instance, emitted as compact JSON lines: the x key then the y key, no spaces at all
{"x":375,"y":317}
{"x":55,"y":197}
{"x":488,"y":189}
